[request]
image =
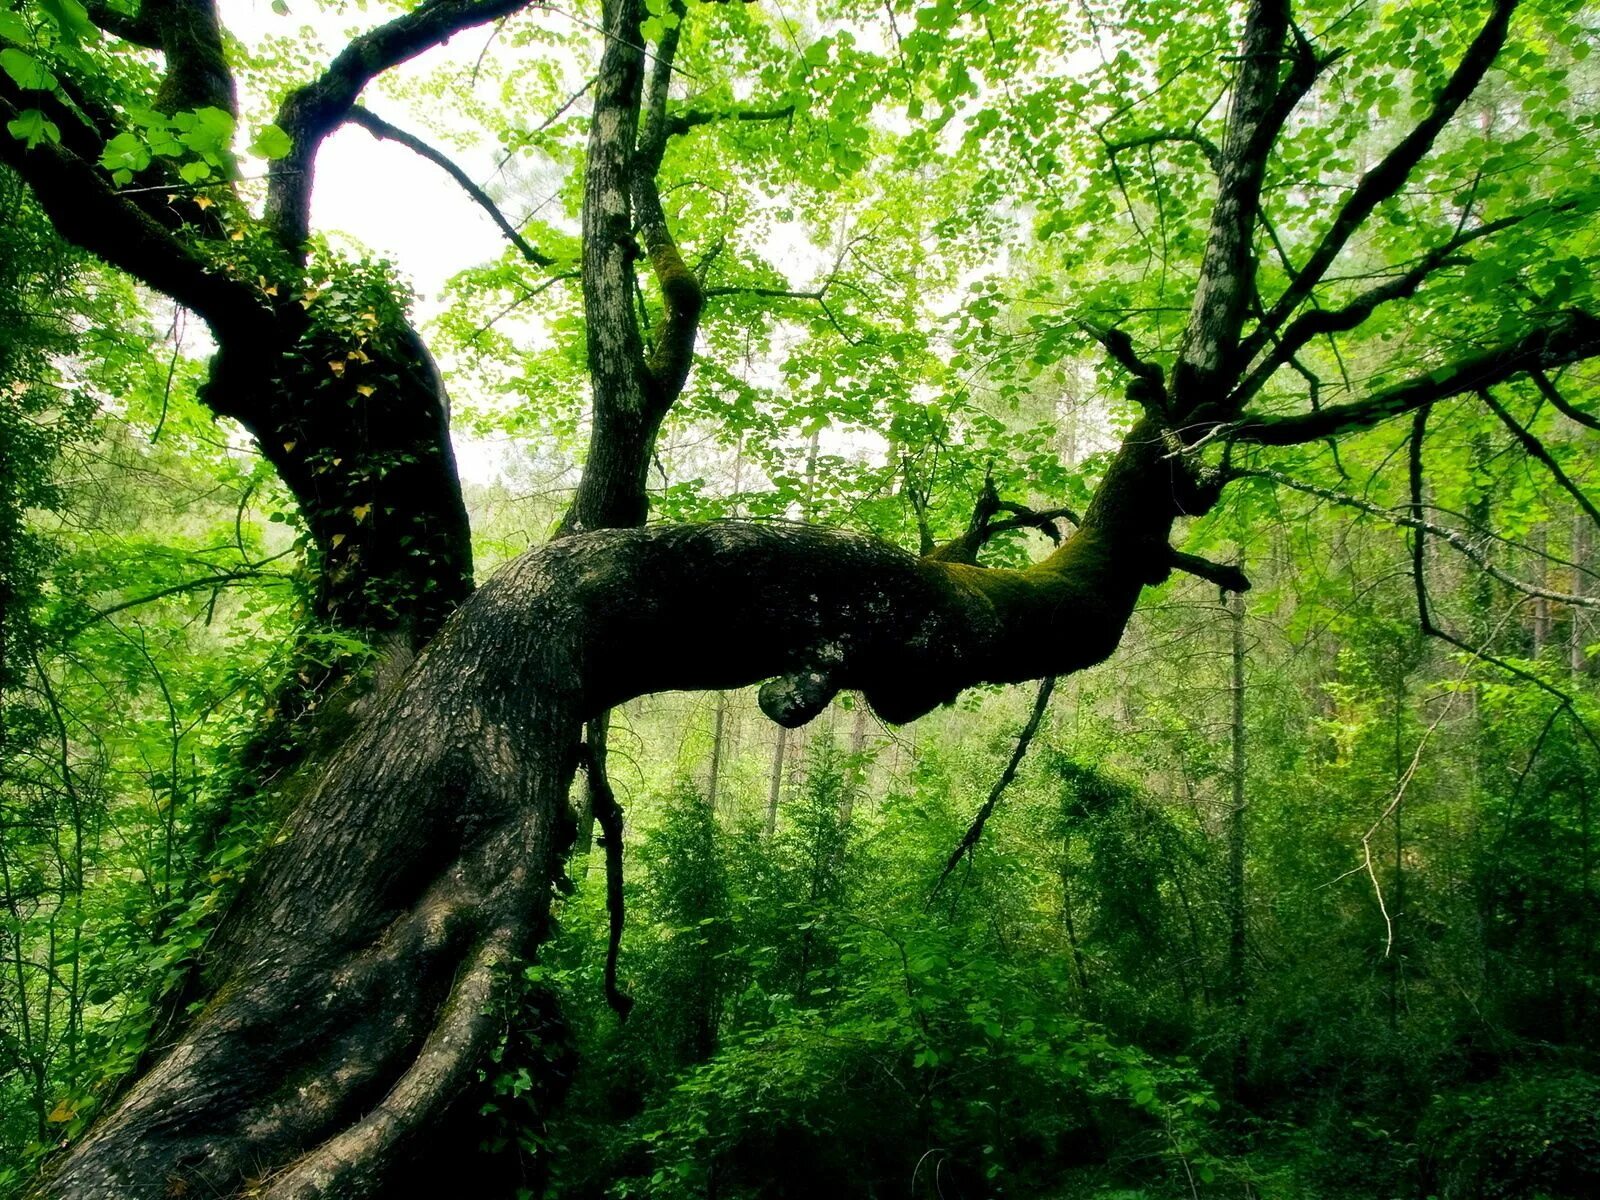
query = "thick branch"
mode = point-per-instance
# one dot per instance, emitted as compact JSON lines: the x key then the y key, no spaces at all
{"x":611,"y":492}
{"x":312,"y":112}
{"x":1574,"y":336}
{"x":190,"y":37}
{"x":83,"y":208}
{"x":130,"y":27}
{"x":1323,"y":321}
{"x":1385,"y":179}
{"x":1227,"y":275}
{"x":379,"y":128}
{"x":682,"y":297}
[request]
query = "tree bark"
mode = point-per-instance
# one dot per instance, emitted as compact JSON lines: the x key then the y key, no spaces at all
{"x":353,"y":989}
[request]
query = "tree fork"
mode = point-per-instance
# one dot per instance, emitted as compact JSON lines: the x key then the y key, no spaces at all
{"x":415,"y":874}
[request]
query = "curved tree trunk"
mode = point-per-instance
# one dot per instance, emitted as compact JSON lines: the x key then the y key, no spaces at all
{"x":353,"y":990}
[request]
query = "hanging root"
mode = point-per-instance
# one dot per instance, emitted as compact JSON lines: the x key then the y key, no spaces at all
{"x":609,"y":814}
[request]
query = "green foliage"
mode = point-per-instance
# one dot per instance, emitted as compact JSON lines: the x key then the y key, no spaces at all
{"x":1526,"y":1135}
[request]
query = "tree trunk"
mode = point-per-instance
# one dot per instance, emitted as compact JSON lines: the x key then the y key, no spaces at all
{"x":354,"y":988}
{"x":780,"y":760}
{"x":1237,"y":986}
{"x":718,"y":728}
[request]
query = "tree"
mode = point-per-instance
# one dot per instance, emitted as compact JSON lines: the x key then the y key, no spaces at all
{"x":352,"y":989}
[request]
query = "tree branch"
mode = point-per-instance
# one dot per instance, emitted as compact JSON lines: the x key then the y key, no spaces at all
{"x":1319,"y":322}
{"x":309,"y":113}
{"x":1150,"y":388}
{"x":1193,"y":137}
{"x":1536,"y":449}
{"x":1385,"y":179}
{"x":1454,"y":538}
{"x":1228,"y":578}
{"x":609,"y":814}
{"x":379,"y":128}
{"x":190,"y":36}
{"x":680,"y":123}
{"x":969,"y":840}
{"x":681,"y":293}
{"x":1573,"y":336}
{"x":1227,"y":277}
{"x":130,"y":27}
{"x":84,"y":209}
{"x":1547,"y":389}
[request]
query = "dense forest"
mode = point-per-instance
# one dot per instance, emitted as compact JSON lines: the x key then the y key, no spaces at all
{"x":799,"y":598}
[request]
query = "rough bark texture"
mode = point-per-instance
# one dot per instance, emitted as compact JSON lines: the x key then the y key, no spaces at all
{"x":358,"y":428}
{"x":352,"y":990}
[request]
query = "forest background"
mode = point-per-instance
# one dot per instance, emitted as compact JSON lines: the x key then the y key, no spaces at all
{"x":1294,"y":896}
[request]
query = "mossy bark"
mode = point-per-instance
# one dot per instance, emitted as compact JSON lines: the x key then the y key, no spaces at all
{"x":352,"y":991}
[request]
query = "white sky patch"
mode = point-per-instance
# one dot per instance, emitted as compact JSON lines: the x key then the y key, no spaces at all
{"x":381,"y":196}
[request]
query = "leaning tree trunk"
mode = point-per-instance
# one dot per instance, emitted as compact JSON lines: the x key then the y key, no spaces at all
{"x":353,"y":991}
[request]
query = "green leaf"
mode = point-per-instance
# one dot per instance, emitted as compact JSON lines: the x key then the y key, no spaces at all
{"x":125,"y":153}
{"x":31,"y":127}
{"x":206,"y":131}
{"x":26,"y":71}
{"x":14,"y":29}
{"x":271,"y":142}
{"x":71,"y":19}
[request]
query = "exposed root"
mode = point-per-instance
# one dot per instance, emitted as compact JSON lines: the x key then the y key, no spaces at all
{"x":346,"y":1164}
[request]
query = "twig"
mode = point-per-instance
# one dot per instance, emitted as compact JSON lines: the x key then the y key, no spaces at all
{"x":975,"y":830}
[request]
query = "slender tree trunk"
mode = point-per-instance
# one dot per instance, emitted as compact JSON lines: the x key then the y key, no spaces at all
{"x":1397,"y":897}
{"x":1238,"y":987}
{"x":718,"y":726}
{"x":1577,"y":629}
{"x":781,"y":747}
{"x":1541,"y":606}
{"x":780,"y":761}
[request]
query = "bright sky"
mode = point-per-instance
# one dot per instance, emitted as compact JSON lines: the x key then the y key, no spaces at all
{"x":397,"y":204}
{"x":385,"y":196}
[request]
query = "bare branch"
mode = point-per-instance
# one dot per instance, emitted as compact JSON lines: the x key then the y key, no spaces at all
{"x":1385,"y":179}
{"x":1547,"y":389}
{"x":379,"y":128}
{"x":1454,"y":538}
{"x":1536,"y":449}
{"x":311,"y":112}
{"x":975,"y":831}
{"x":1573,"y":336}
